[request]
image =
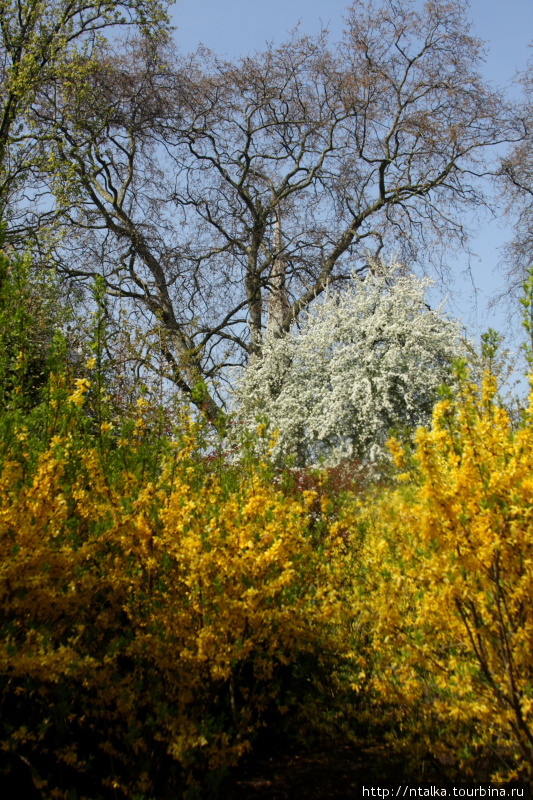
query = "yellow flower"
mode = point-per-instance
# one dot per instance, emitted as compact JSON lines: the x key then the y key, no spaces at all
{"x":82,"y":387}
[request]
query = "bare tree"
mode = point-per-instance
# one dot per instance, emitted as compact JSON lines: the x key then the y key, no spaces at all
{"x":279,"y":304}
{"x":42,"y":42}
{"x":516,"y":180}
{"x":211,"y":192}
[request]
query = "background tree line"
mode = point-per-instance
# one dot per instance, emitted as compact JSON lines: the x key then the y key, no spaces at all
{"x":219,"y":199}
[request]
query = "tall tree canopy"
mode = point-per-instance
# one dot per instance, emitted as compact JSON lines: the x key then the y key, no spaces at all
{"x":43,"y":42}
{"x":222,"y":198}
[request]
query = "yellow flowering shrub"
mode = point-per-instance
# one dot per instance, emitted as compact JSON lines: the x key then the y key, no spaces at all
{"x":146,"y":615}
{"x":447,"y":582}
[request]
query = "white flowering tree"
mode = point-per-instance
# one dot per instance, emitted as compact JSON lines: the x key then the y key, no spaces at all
{"x":360,"y":364}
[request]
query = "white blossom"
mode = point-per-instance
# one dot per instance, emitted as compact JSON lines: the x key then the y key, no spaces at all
{"x":361,"y":362}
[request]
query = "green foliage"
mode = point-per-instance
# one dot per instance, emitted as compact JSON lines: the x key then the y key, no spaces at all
{"x":31,"y":340}
{"x":490,"y":344}
{"x":527,"y":315}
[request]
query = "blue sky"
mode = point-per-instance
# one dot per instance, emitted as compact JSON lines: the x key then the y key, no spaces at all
{"x":236,"y":27}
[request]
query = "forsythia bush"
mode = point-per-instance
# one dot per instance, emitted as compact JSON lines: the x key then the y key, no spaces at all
{"x":158,"y":605}
{"x":147,"y":612}
{"x":447,"y":581}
